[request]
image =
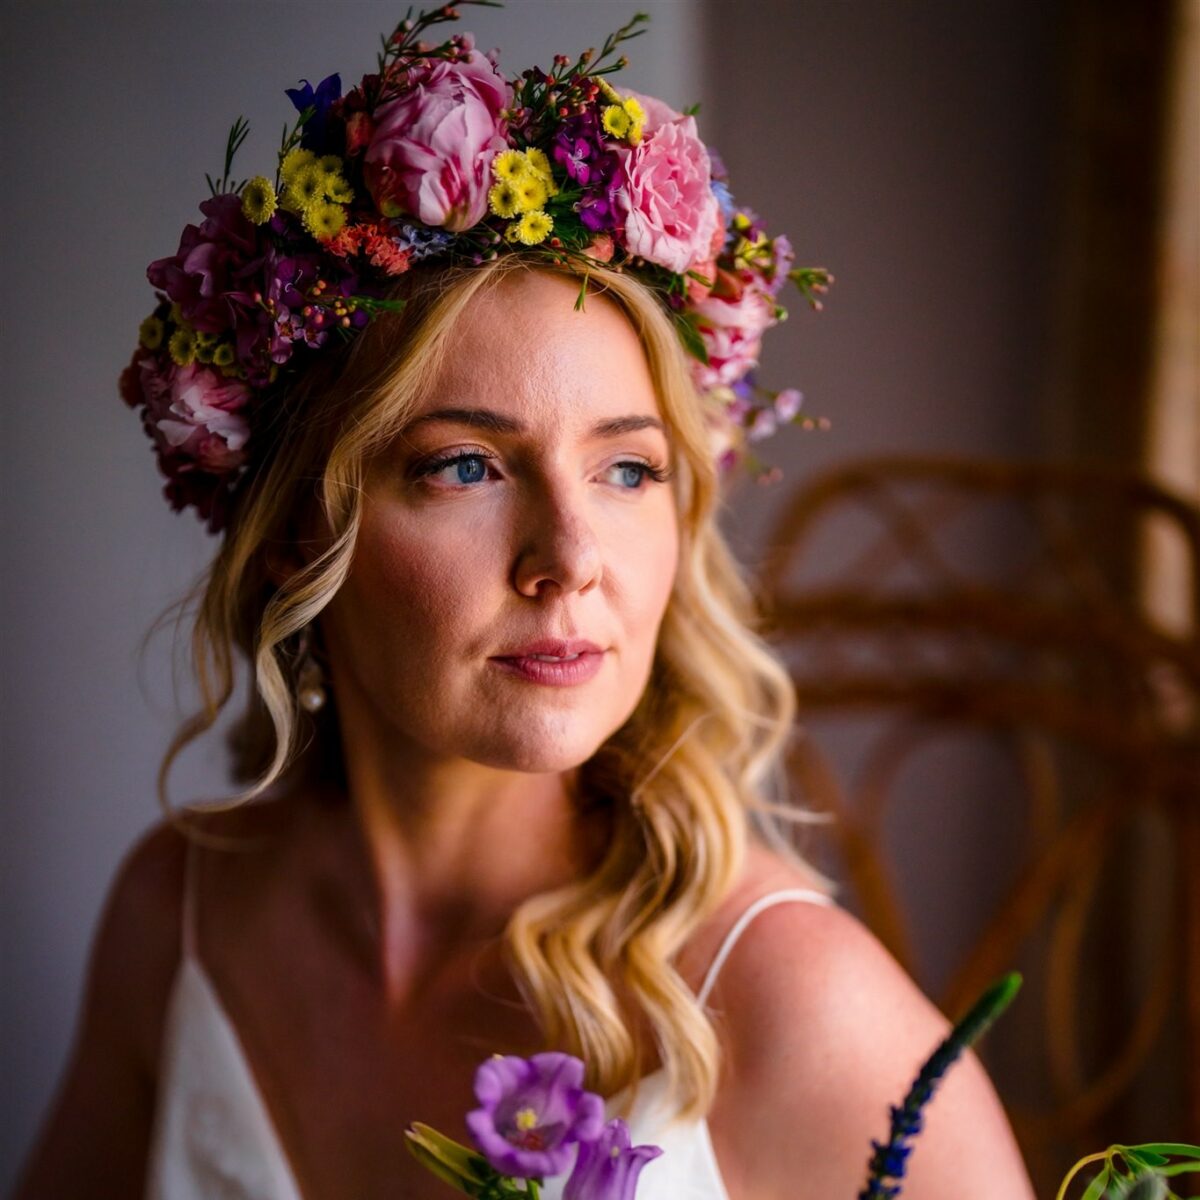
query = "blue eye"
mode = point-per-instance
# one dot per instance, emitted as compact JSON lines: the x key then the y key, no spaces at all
{"x":471,"y":468}
{"x":637,"y":473}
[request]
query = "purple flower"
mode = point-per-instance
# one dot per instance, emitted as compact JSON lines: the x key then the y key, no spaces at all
{"x":531,"y":1111}
{"x":577,"y":147}
{"x":787,"y":404}
{"x":316,"y":133}
{"x":608,"y":1168}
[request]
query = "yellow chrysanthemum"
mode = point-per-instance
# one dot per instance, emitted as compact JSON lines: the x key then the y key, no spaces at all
{"x":182,"y":347}
{"x":534,"y":227}
{"x":637,"y":119}
{"x":259,"y":200}
{"x":306,"y":187}
{"x":150,"y":333}
{"x":607,"y":90}
{"x":531,"y":193}
{"x":509,"y":164}
{"x":331,"y":164}
{"x":616,"y":120}
{"x":205,"y":345}
{"x":512,"y":232}
{"x":338,"y":190}
{"x":295,"y":160}
{"x":324,"y":220}
{"x":223,"y":355}
{"x":539,"y":162}
{"x":503,"y":199}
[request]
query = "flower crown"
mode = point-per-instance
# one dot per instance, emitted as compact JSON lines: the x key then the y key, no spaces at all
{"x":435,"y":156}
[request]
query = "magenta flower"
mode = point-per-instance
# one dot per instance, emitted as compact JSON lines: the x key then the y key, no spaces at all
{"x":608,"y":1168}
{"x":431,"y":148}
{"x":531,"y":1112}
{"x":210,"y":275}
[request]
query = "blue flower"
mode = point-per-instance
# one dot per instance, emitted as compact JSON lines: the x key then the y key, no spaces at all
{"x":317,"y":135}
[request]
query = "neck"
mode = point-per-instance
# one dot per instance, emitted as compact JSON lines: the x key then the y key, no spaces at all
{"x":446,"y":858}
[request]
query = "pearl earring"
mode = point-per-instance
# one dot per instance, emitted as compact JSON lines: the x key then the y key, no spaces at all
{"x":310,"y":679}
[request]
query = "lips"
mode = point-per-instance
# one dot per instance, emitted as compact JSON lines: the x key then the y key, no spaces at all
{"x":555,"y":648}
{"x":557,"y":662}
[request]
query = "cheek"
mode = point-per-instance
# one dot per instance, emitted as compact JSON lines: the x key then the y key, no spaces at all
{"x":417,"y":590}
{"x":646,"y":564}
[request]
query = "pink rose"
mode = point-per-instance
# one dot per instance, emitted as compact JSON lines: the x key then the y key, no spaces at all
{"x":194,"y":414}
{"x":731,"y":327}
{"x":431,"y":150}
{"x":671,"y":216}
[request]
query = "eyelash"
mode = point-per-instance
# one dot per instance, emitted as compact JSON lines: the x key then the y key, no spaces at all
{"x":433,"y":466}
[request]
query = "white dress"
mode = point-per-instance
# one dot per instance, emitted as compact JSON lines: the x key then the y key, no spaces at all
{"x":213,"y":1138}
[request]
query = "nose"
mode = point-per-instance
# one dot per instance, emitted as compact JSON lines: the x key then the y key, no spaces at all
{"x":558,"y":545}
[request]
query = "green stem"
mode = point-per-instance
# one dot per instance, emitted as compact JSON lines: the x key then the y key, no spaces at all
{"x":1083,"y":1162}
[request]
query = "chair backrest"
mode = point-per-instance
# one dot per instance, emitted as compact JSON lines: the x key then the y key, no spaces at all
{"x":1005,"y":600}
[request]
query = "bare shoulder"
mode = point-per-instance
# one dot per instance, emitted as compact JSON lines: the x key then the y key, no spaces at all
{"x":824,"y":1031}
{"x":137,"y":944}
{"x":95,"y":1138}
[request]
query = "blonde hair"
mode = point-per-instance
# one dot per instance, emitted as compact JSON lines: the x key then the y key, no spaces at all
{"x":698,"y":757}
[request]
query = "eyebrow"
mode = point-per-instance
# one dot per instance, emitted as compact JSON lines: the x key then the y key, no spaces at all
{"x":495,"y":422}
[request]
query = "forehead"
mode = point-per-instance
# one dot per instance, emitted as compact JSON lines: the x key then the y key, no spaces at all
{"x":523,"y":348}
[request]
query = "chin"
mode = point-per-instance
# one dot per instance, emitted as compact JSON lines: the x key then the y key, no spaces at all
{"x":541,"y":751}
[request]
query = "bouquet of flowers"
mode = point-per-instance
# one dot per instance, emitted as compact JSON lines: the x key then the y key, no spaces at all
{"x":534,"y":1118}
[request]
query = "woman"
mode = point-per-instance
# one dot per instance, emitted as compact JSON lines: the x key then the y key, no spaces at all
{"x":510,"y":731}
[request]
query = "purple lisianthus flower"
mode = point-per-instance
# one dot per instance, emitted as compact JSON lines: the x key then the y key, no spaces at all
{"x":608,"y":1168}
{"x":317,"y":134}
{"x":531,"y":1112}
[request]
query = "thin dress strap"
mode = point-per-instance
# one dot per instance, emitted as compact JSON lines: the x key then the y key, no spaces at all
{"x":806,"y":894}
{"x":188,"y":915}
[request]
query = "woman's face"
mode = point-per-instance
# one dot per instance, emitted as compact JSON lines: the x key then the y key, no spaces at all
{"x":519,"y":506}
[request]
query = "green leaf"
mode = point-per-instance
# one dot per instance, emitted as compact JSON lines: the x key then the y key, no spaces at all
{"x":1175,"y":1149}
{"x":1095,"y":1189}
{"x":692,"y":340}
{"x":1143,"y":1157}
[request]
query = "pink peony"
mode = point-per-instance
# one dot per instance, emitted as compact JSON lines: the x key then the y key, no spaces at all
{"x":732,"y":327}
{"x":671,"y":216}
{"x":194,"y":414}
{"x":431,"y":149}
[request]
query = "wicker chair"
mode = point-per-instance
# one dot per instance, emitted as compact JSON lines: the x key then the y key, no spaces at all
{"x":946,"y":595}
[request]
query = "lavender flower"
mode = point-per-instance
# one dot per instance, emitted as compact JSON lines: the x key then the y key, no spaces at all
{"x":608,"y":1168}
{"x":531,"y":1112}
{"x":889,"y":1159}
